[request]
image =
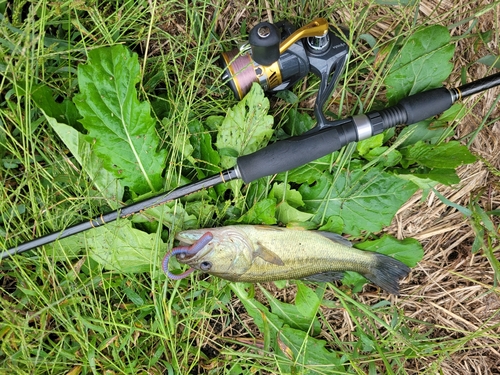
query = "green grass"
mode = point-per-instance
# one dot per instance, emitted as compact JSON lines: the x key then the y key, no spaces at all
{"x":66,"y":314}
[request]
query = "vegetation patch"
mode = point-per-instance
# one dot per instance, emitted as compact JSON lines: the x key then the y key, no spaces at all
{"x":104,"y":104}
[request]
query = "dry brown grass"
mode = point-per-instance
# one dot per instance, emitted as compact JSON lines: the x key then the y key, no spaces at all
{"x":452,"y":288}
{"x":456,"y":289}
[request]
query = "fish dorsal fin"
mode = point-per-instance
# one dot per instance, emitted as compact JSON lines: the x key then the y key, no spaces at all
{"x":268,"y":255}
{"x":335,"y":238}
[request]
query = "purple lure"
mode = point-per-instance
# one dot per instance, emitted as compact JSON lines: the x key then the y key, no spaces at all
{"x":186,"y":251}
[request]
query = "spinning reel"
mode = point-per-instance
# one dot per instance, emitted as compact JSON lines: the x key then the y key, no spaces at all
{"x":277,"y":56}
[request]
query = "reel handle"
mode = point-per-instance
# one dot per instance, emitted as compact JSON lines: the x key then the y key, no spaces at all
{"x":316,"y":28}
{"x":264,"y":40}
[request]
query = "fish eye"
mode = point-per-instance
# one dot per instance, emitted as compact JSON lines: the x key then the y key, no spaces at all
{"x":205,"y":266}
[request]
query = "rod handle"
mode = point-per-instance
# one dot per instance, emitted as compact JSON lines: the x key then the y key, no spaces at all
{"x":295,"y":151}
{"x":415,"y":108}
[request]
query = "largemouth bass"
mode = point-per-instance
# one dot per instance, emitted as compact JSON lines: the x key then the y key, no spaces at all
{"x":257,"y":253}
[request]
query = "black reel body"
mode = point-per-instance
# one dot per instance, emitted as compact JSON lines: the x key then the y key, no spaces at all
{"x":278,"y":55}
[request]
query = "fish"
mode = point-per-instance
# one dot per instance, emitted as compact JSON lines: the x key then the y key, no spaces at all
{"x":259,"y":253}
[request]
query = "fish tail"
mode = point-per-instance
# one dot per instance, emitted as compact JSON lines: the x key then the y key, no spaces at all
{"x":386,"y":273}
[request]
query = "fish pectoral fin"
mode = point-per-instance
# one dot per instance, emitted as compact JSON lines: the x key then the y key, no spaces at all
{"x":325,"y":277}
{"x":268,"y":255}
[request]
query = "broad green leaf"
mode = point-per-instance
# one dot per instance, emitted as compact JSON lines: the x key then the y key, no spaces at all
{"x":161,"y":107}
{"x":297,"y":122}
{"x":432,"y":131}
{"x":364,"y":200}
{"x":256,"y":191}
{"x":422,"y":131}
{"x":384,"y":155}
{"x":354,"y":280}
{"x":285,"y":213}
{"x":364,"y":146}
{"x":291,"y":314}
{"x":104,"y":181}
{"x":246,"y":128}
{"x":257,"y":310}
{"x":334,"y":224}
{"x":368,"y":344}
{"x":445,"y":155}
{"x":119,"y":247}
{"x":288,"y":96}
{"x":409,"y":251}
{"x":133,"y":296}
{"x":455,"y":113}
{"x":172,"y":214}
{"x":426,"y":184}
{"x":214,"y":122}
{"x":263,"y":212}
{"x":64,"y":112}
{"x":370,"y":39}
{"x":305,"y":349}
{"x":287,"y":202}
{"x":283,"y":192}
{"x":207,"y":159}
{"x":69,"y":247}
{"x":200,"y":209}
{"x":309,"y":353}
{"x":490,"y":60}
{"x":306,"y":300}
{"x":442,"y":175}
{"x":309,"y":172}
{"x":179,"y":142}
{"x":120,"y":127}
{"x":422,"y":63}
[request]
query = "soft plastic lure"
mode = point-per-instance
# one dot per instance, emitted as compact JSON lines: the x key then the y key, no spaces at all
{"x":184,"y":251}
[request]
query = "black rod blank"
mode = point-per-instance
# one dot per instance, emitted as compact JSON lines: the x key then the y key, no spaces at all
{"x":477,"y":86}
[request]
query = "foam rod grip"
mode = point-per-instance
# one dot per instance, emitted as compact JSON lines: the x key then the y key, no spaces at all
{"x":426,"y":104}
{"x":295,"y":151}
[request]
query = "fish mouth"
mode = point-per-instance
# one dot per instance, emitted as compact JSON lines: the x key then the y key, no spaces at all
{"x":192,"y":258}
{"x":183,"y":251}
{"x":190,"y":239}
{"x":186,"y":258}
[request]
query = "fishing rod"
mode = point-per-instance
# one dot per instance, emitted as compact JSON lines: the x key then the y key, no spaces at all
{"x":326,"y":137}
